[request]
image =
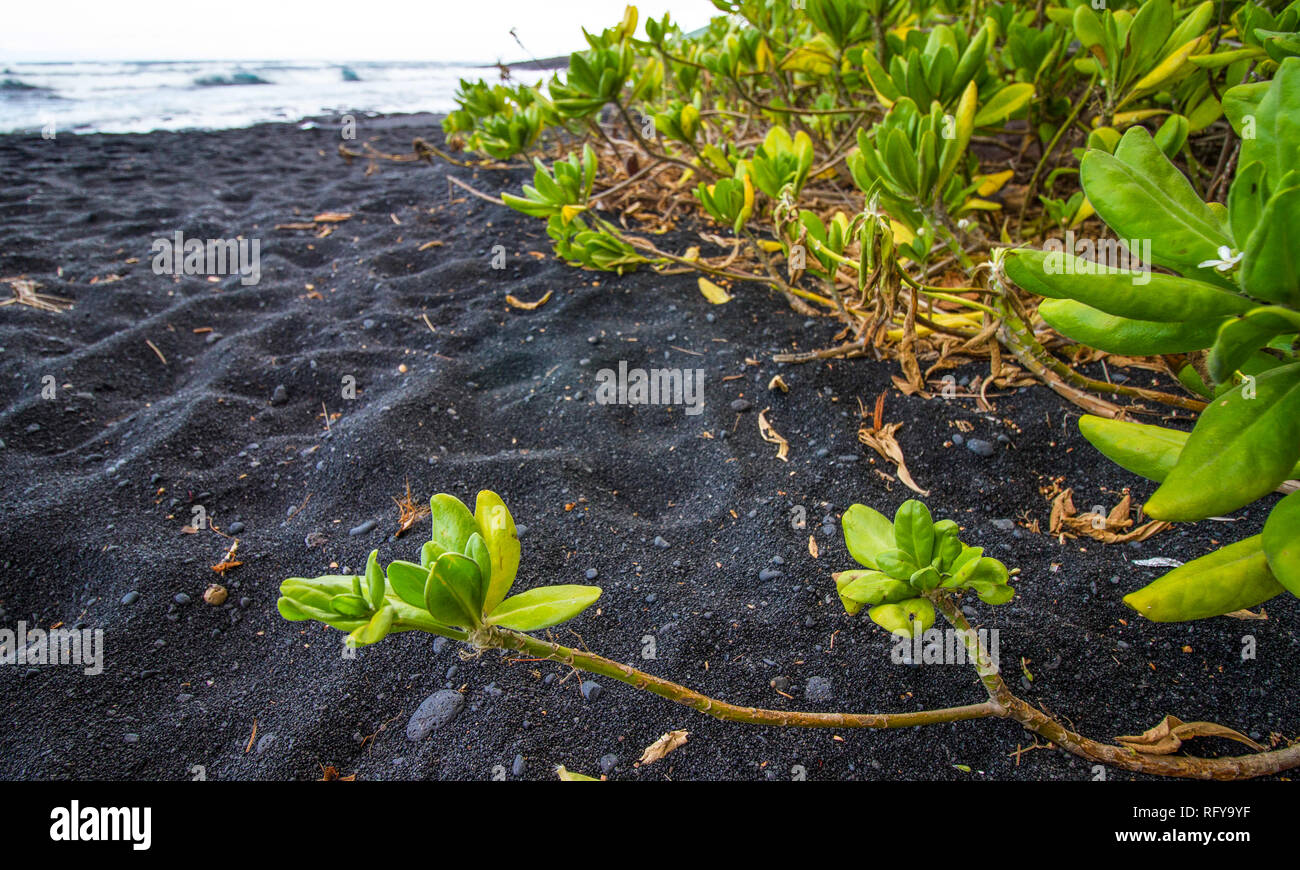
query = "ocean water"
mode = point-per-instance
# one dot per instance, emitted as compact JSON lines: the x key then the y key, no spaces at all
{"x":126,"y":97}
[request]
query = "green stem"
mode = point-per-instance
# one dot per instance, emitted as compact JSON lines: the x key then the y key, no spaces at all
{"x":678,"y":694}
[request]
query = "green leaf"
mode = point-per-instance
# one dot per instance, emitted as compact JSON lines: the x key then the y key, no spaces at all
{"x":1135,"y":295}
{"x":1229,"y":579}
{"x":543,"y":607}
{"x":1272,"y":111}
{"x":375,"y":580}
{"x":995,"y":594}
{"x":867,"y":532}
{"x":1243,"y":446}
{"x":476,"y":549}
{"x":1239,"y":339}
{"x":429,"y":554}
{"x":1112,"y":334}
{"x":896,"y":563}
{"x":1145,"y":450}
{"x":408,"y":581}
{"x":453,"y":593}
{"x":1141,"y":195}
{"x":498,"y":529}
{"x":452,"y":522}
{"x":946,"y":545}
{"x":1002,"y":105}
{"x":1246,"y":202}
{"x":1270,"y":268}
{"x":907,"y":618}
{"x":925,"y":579}
{"x":375,"y":630}
{"x":350,"y":605}
{"x":289,"y":610}
{"x":914,"y":532}
{"x":870,"y":588}
{"x":1281,"y":542}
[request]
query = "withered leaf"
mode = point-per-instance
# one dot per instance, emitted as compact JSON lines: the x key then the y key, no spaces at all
{"x":1168,"y":736}
{"x":664,"y":745}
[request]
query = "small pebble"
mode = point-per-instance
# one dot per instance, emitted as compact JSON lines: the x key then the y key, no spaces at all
{"x":591,"y":690}
{"x":818,"y":689}
{"x":131,"y":597}
{"x":364,"y":528}
{"x":980,"y":447}
{"x":280,"y":395}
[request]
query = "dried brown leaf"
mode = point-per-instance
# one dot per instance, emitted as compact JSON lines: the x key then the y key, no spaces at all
{"x":664,"y":745}
{"x":771,"y":436}
{"x":513,"y":302}
{"x":1168,"y":736}
{"x":884,"y":442}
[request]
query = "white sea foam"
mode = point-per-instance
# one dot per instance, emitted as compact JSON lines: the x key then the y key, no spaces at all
{"x":124,"y":97}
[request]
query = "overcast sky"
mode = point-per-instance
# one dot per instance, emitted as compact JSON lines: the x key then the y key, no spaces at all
{"x":338,"y":30}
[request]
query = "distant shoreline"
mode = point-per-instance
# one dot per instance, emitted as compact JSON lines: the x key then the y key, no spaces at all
{"x":546,"y":63}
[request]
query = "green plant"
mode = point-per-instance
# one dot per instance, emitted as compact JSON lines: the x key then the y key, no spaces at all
{"x":458,"y":589}
{"x":907,"y":560}
{"x":1236,"y":303}
{"x":1138,"y":55}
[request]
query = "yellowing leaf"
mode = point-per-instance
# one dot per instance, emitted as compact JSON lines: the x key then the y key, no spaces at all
{"x":992,"y":183}
{"x":713,"y":292}
{"x":1164,"y":71}
{"x":570,"y":776}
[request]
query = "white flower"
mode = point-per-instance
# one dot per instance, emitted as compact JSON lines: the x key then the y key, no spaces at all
{"x":1227,"y":260}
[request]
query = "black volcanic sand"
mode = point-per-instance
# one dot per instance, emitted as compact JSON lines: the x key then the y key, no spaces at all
{"x":98,"y":483}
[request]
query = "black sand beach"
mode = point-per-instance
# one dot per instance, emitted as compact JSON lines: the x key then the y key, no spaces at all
{"x":456,"y":391}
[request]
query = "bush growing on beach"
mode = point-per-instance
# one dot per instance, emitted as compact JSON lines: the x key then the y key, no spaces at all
{"x":1233,"y":307}
{"x":869,"y":157}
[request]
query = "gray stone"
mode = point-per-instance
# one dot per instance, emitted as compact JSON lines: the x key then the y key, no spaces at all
{"x":364,"y":528}
{"x":280,"y":395}
{"x":608,"y":763}
{"x":980,"y":447}
{"x":434,"y":712}
{"x":131,"y":597}
{"x":591,"y":690}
